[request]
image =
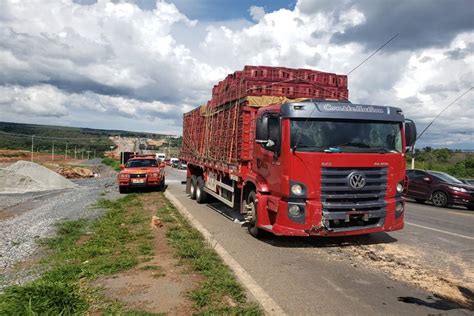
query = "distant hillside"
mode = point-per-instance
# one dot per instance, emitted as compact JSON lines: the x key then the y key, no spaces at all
{"x":18,"y":136}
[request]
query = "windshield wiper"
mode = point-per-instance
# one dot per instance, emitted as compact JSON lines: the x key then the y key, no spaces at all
{"x":332,"y":150}
{"x":306,"y":146}
{"x":358,"y":145}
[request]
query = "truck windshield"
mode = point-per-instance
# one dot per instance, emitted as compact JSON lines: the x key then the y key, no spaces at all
{"x":141,"y":163}
{"x":345,"y":136}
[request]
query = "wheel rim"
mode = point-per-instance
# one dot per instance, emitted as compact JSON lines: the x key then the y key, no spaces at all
{"x":198,"y":193}
{"x":439,"y":199}
{"x":253,"y":222}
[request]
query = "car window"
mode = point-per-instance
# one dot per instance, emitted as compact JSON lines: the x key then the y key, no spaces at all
{"x":418,"y":175}
{"x":142,"y":163}
{"x":444,"y":177}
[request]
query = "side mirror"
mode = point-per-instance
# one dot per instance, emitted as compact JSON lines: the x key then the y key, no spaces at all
{"x":261,"y":136}
{"x":122,"y":166}
{"x":410,"y":133}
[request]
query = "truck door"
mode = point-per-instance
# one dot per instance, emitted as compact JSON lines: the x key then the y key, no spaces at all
{"x":268,"y":159}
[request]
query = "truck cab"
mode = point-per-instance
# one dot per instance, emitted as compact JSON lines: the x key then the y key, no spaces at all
{"x":141,"y":171}
{"x":327,"y":168}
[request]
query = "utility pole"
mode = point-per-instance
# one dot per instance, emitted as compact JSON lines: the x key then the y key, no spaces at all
{"x":94,"y":153}
{"x":413,"y":157}
{"x":32,"y":146}
{"x":75,"y":153}
{"x":65,"y":156}
{"x":82,"y":153}
{"x":52,"y":152}
{"x":88,"y":152}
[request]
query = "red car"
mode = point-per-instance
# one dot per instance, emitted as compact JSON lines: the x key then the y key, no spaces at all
{"x":141,"y":171}
{"x":440,"y":188}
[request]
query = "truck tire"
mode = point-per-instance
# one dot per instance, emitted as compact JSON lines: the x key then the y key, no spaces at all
{"x":123,"y":190}
{"x":192,"y":189}
{"x":251,"y":205}
{"x":439,"y":199}
{"x":201,"y":195}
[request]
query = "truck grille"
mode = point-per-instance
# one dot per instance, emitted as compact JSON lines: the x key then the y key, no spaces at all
{"x":348,"y":208}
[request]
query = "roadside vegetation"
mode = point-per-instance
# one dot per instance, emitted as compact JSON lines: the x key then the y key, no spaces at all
{"x":456,"y":163}
{"x":112,"y":163}
{"x":122,"y":240}
{"x":219,"y":293}
{"x":17,"y":136}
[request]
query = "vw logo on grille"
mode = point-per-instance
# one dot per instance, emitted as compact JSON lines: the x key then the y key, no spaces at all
{"x":357,"y":180}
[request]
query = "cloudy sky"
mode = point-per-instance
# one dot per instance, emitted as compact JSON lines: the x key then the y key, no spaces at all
{"x":138,"y":65}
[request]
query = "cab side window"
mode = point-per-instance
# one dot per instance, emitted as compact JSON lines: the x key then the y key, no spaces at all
{"x":274,"y":134}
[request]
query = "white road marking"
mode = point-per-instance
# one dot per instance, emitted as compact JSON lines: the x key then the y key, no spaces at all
{"x":268,"y":304}
{"x":440,"y":231}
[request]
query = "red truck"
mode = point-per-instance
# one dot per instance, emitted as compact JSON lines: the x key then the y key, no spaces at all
{"x":141,"y":171}
{"x":299,"y":167}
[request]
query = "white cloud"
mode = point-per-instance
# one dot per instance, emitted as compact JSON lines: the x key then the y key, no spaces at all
{"x":37,"y":100}
{"x":256,"y":12}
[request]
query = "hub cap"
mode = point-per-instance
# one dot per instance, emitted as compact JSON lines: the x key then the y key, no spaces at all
{"x":439,"y":199}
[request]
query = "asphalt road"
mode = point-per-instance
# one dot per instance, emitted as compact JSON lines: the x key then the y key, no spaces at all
{"x":393,"y":274}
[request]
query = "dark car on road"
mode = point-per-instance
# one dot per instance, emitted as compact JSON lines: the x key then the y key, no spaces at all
{"x":440,"y":188}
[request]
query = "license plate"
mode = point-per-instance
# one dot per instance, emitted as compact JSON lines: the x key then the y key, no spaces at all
{"x":138,"y":180}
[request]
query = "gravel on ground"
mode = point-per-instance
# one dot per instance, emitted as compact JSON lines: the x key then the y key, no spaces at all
{"x":25,"y":218}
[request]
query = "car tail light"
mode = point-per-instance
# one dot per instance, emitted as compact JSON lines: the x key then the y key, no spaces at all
{"x":124,"y":175}
{"x":153,"y":175}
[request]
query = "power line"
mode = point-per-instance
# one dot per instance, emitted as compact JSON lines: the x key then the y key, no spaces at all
{"x":375,"y":52}
{"x":439,"y":114}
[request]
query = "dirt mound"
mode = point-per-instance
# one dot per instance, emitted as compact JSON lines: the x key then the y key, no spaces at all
{"x":11,"y":182}
{"x":25,"y":176}
{"x":75,"y":172}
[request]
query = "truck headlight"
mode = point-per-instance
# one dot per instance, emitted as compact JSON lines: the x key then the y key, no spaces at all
{"x":294,"y":210}
{"x":297,"y":189}
{"x":400,"y":187}
{"x":399,"y":209}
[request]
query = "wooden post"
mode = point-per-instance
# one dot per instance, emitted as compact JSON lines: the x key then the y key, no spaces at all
{"x":32,"y":146}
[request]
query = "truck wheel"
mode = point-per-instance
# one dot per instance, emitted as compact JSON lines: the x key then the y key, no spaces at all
{"x":251,"y":206}
{"x":439,"y":199}
{"x":192,"y":189}
{"x":123,"y":190}
{"x":201,"y":195}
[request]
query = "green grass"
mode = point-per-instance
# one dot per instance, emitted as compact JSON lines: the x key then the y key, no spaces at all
{"x":82,"y":251}
{"x":112,"y":163}
{"x":211,"y":297}
{"x":112,"y":244}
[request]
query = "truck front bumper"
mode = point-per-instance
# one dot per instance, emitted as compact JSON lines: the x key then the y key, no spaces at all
{"x":316,"y":222}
